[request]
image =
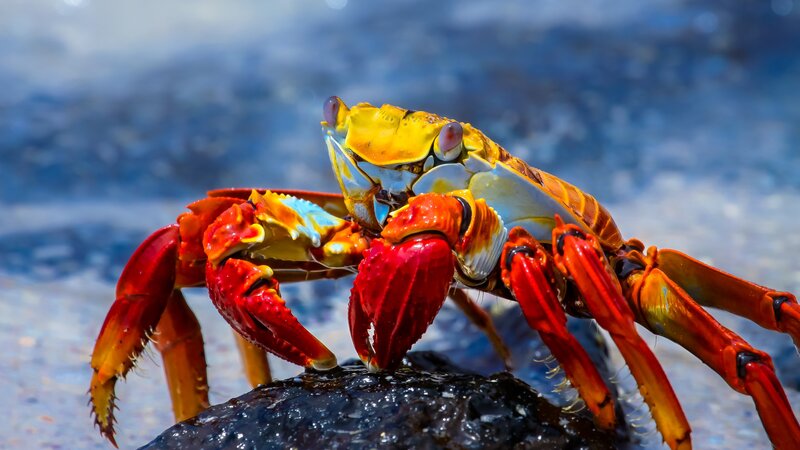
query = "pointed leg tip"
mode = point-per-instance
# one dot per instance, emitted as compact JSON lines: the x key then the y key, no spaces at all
{"x":325,"y":364}
{"x":106,"y":425}
{"x":682,"y":443}
{"x":110,"y":436}
{"x":101,"y":401}
{"x":606,"y":414}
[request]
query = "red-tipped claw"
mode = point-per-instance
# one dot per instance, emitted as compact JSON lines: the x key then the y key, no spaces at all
{"x":396,"y":295}
{"x":248,"y":297}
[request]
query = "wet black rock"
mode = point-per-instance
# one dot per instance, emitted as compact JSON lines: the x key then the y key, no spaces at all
{"x":426,"y":404}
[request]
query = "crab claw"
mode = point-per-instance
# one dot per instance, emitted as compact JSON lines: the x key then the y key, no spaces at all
{"x":248,"y":297}
{"x":396,"y":295}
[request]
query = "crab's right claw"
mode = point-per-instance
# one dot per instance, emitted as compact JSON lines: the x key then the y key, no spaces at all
{"x":143,"y":291}
{"x":396,"y":295}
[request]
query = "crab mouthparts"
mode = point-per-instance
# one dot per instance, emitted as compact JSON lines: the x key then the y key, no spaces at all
{"x":357,"y":187}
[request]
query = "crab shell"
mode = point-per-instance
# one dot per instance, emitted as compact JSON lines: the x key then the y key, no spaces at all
{"x":383,"y":156}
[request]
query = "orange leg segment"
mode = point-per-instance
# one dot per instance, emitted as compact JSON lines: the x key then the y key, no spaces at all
{"x":579,"y":256}
{"x":483,"y":321}
{"x":143,"y":291}
{"x":528,"y":272}
{"x":179,"y":340}
{"x":712,"y":287}
{"x":256,"y":365}
{"x":667,"y":310}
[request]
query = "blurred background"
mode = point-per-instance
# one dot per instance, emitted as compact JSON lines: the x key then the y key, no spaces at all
{"x":683,"y":117}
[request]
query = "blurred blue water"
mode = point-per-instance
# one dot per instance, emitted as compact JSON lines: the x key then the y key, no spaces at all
{"x":682,"y":116}
{"x":604,"y":90}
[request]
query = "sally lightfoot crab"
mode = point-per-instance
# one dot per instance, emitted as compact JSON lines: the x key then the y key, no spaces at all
{"x":429,"y":206}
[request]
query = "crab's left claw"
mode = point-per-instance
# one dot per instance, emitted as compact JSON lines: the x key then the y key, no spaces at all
{"x":396,"y":295}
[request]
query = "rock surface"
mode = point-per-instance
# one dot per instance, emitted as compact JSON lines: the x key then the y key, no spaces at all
{"x":426,"y":404}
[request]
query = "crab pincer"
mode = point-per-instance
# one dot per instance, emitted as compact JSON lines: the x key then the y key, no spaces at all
{"x":396,"y":295}
{"x":403,"y":280}
{"x":247,"y":292}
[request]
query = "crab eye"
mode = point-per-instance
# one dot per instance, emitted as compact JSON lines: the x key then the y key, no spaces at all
{"x":330,"y":110}
{"x":448,"y":145}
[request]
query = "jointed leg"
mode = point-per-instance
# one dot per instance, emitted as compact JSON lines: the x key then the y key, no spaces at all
{"x":666,"y":309}
{"x":528,"y":272}
{"x":579,"y":256}
{"x":179,"y":340}
{"x":143,"y":291}
{"x":712,"y":287}
{"x":256,"y":365}
{"x":483,"y":321}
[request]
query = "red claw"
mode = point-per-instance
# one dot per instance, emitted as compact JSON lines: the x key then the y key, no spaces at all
{"x":248,"y":297}
{"x":396,"y":295}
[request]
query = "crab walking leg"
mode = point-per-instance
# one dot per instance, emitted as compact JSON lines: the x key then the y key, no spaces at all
{"x":712,"y":287}
{"x":666,"y":309}
{"x":527,"y":270}
{"x":179,"y":340}
{"x":579,"y":256}
{"x":254,"y":359}
{"x":483,"y":321}
{"x":143,"y":291}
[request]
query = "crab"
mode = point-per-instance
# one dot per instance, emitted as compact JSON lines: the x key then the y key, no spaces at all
{"x":429,"y":207}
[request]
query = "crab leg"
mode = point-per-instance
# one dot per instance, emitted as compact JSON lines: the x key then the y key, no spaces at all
{"x":179,"y":340}
{"x":528,"y":272}
{"x":254,"y":359}
{"x":143,"y":291}
{"x":483,"y":321}
{"x":579,"y":256}
{"x":659,"y":300}
{"x":712,"y":287}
